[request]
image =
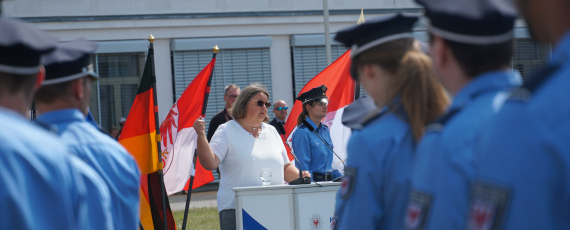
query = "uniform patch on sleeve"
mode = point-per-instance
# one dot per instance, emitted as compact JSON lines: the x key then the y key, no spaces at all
{"x":418,"y":210}
{"x":348,"y":181}
{"x":487,"y":207}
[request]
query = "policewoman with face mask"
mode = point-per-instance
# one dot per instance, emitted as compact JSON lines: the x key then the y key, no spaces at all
{"x":312,"y":141}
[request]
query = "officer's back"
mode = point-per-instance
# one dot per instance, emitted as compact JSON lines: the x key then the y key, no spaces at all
{"x":62,"y":102}
{"x":523,"y":172}
{"x":40,"y":186}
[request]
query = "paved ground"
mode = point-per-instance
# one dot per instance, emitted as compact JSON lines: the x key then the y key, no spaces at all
{"x":197,"y":200}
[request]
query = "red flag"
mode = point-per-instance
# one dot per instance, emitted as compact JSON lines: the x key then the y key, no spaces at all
{"x":336,"y":77}
{"x":179,"y":137}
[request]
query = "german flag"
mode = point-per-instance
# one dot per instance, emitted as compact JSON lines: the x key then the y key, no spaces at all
{"x":139,"y":138}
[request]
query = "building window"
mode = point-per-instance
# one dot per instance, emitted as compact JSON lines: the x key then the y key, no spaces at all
{"x":308,"y":61}
{"x":113,"y":95}
{"x":233,"y":66}
{"x":530,"y":56}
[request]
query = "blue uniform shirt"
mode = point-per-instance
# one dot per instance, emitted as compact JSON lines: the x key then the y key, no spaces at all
{"x":443,"y":166}
{"x":523,"y":164}
{"x":376,"y":179}
{"x":313,"y":154}
{"x":113,"y":163}
{"x":42,"y":185}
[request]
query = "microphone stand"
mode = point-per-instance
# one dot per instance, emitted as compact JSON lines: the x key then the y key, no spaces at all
{"x":301,"y":179}
{"x":310,"y":127}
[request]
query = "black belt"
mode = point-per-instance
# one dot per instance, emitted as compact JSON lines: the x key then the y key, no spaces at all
{"x":322,"y":176}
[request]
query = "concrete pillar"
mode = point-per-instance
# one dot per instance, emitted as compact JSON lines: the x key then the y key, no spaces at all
{"x":162,"y":63}
{"x":281,"y":72}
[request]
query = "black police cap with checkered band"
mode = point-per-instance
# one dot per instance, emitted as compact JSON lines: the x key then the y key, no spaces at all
{"x":70,"y":61}
{"x":474,"y":22}
{"x":22,"y":46}
{"x":376,"y":31}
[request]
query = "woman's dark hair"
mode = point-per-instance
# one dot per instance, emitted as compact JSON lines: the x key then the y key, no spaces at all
{"x":305,"y":112}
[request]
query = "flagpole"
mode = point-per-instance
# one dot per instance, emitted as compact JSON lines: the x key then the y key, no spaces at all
{"x":204,"y":106}
{"x":33,"y":112}
{"x":357,"y":90}
{"x":188,"y":202}
{"x":357,"y":82}
{"x":327,"y":34}
{"x":160,"y":173}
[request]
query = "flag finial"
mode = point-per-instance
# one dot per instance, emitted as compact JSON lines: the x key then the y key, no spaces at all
{"x":216,"y":49}
{"x":361,"y":18}
{"x":151,"y":38}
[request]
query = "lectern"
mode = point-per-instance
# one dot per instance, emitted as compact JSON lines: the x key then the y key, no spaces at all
{"x":309,"y":206}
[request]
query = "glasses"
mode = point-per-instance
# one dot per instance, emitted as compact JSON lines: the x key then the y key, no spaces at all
{"x":323,"y":103}
{"x":282,"y":108}
{"x":260,"y":103}
{"x":232,"y":96}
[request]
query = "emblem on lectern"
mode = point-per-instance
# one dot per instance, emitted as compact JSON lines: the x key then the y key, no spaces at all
{"x":316,"y":222}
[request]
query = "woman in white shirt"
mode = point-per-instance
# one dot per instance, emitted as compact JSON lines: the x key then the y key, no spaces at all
{"x":241,"y":148}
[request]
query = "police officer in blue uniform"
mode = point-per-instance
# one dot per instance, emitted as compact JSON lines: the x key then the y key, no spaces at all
{"x":522,"y":161}
{"x":63,"y":101}
{"x":475,"y":67}
{"x":42,"y":185}
{"x":398,"y":77}
{"x":312,"y":143}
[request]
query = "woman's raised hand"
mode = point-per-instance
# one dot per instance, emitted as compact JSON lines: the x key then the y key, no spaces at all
{"x":200,"y":126}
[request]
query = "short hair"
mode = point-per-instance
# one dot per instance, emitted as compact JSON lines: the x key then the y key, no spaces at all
{"x":49,"y":93}
{"x":477,"y":59}
{"x":10,"y":84}
{"x":275,"y":102}
{"x":239,"y":109}
{"x":228,"y":87}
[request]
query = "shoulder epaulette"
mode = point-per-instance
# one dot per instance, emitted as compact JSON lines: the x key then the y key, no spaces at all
{"x":441,"y":121}
{"x":373,"y":116}
{"x":534,"y":82}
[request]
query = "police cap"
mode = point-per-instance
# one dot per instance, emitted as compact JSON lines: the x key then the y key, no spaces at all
{"x":315,"y":94}
{"x":475,"y":22}
{"x":22,"y":45}
{"x":376,"y":31}
{"x":69,"y":61}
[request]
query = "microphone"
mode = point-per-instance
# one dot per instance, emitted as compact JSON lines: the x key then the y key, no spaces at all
{"x":310,"y":127}
{"x":301,"y":179}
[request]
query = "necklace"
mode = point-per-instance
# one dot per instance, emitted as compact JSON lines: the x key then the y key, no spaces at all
{"x":254,"y":128}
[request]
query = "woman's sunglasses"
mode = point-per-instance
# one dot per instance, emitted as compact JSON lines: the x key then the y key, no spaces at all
{"x":282,"y":108}
{"x":261,"y":103}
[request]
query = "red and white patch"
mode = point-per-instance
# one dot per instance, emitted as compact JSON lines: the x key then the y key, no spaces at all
{"x":417,"y":212}
{"x":488,"y":205}
{"x":348,"y":181}
{"x":413,"y":216}
{"x":482,"y":215}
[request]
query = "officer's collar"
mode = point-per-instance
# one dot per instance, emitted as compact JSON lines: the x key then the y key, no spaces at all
{"x":489,"y":81}
{"x":313,"y":123}
{"x":64,"y":115}
{"x":393,"y":106}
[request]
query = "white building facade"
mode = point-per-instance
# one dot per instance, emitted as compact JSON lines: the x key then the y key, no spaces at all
{"x":275,"y":42}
